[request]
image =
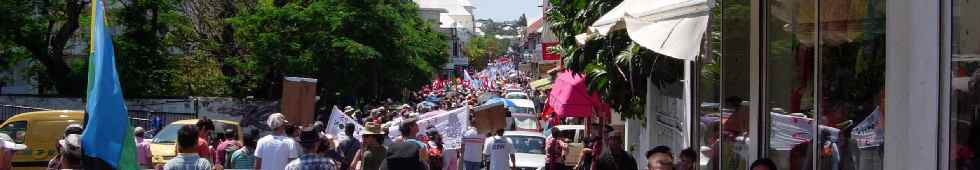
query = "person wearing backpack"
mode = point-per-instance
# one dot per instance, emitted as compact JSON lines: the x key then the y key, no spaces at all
{"x":556,"y":151}
{"x":228,"y":146}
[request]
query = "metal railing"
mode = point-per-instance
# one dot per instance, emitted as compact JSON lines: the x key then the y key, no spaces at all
{"x":138,"y":118}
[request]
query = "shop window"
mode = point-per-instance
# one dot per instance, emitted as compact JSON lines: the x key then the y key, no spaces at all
{"x":789,"y":83}
{"x":965,"y":86}
{"x":725,"y":89}
{"x":825,"y":70}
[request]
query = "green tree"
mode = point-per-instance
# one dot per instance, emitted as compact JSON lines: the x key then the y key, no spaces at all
{"x":42,"y":29}
{"x":149,"y":47}
{"x":482,"y":49}
{"x":369,"y":49}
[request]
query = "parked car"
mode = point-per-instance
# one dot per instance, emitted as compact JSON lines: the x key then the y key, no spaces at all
{"x":530,"y":149}
{"x":576,"y":141}
{"x":164,"y":144}
{"x":40,"y":131}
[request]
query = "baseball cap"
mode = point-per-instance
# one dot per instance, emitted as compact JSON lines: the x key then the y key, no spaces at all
{"x":72,"y":144}
{"x":8,"y":143}
{"x":276,"y":120}
{"x":73,"y":128}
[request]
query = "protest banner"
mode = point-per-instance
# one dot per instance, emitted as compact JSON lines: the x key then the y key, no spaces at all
{"x":337,"y":122}
{"x":450,"y":124}
{"x":869,"y":133}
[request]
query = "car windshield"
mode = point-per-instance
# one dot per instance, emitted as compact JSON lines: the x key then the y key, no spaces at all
{"x":520,"y":109}
{"x":516,"y":96}
{"x":528,"y":144}
{"x":168,"y":134}
{"x":526,"y":123}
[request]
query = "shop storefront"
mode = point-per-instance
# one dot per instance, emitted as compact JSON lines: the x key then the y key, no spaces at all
{"x":828,"y":84}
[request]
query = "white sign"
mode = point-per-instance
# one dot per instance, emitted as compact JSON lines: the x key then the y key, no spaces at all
{"x":337,"y":122}
{"x":451,"y":125}
{"x":869,"y":132}
{"x":789,"y":131}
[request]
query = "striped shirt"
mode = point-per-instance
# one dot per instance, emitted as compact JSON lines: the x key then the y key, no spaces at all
{"x":242,"y":159}
{"x":187,"y":161}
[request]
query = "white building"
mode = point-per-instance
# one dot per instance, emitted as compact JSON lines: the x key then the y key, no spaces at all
{"x":455,"y":19}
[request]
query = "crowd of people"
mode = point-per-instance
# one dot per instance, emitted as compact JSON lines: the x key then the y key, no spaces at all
{"x":391,"y":138}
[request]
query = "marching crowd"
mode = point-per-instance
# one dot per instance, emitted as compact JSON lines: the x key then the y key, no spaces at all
{"x":390,"y":139}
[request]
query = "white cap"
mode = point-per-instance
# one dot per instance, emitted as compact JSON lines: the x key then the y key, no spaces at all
{"x":71,"y":143}
{"x":276,"y":120}
{"x":8,"y":143}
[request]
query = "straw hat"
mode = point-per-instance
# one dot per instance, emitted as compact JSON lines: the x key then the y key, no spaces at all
{"x":372,"y":128}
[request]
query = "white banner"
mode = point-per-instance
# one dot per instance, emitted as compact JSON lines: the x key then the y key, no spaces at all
{"x":337,"y":122}
{"x":450,"y":124}
{"x":869,"y":132}
{"x":789,"y":131}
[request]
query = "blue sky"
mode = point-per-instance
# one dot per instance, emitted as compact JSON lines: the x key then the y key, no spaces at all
{"x":505,"y":10}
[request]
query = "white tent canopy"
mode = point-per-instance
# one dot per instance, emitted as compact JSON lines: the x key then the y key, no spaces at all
{"x":670,"y":27}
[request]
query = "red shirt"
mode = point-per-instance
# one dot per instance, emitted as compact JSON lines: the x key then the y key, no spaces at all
{"x":203,"y":148}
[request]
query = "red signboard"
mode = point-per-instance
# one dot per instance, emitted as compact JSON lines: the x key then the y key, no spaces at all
{"x":546,"y":54}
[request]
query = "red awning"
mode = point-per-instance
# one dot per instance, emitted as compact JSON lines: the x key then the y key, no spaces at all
{"x":570,"y":98}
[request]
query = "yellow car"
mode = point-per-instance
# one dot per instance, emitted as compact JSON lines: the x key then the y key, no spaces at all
{"x":40,"y":131}
{"x":164,"y":143}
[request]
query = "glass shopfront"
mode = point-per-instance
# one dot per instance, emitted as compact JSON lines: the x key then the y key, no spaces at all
{"x":810,"y":92}
{"x":824,"y":80}
{"x":822,"y":76}
{"x":724,"y":89}
{"x":964,"y":105}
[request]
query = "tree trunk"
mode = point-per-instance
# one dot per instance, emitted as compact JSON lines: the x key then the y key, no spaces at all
{"x":51,"y":54}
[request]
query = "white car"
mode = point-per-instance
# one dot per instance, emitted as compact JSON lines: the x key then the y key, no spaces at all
{"x":530,"y":149}
{"x":576,"y":136}
{"x":516,"y":95}
{"x":522,"y":106}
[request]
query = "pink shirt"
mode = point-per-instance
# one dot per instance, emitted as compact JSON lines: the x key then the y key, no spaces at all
{"x":143,"y":154}
{"x":219,"y":153}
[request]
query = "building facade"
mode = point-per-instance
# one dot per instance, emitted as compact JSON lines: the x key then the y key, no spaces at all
{"x":826,"y":84}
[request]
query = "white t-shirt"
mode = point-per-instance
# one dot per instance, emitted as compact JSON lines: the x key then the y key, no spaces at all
{"x":473,"y":145}
{"x":499,"y":149}
{"x":276,"y":151}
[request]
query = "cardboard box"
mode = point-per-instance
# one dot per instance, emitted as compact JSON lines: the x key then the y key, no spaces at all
{"x":299,"y":99}
{"x":490,"y":117}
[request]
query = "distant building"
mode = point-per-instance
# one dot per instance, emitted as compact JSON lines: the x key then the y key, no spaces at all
{"x":455,"y":19}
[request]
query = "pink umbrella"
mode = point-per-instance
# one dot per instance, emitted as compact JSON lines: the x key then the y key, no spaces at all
{"x":570,"y":98}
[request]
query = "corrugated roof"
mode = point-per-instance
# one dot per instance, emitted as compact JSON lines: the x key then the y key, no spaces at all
{"x":535,"y":26}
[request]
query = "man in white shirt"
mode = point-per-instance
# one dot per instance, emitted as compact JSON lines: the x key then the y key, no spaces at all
{"x":472,"y":150}
{"x":498,"y":149}
{"x":275,"y":150}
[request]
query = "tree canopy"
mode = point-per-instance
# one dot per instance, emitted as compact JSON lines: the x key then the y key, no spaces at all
{"x":370,"y":49}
